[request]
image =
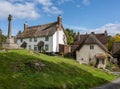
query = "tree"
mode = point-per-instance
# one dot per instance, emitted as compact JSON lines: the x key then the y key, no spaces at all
{"x":112,"y":40}
{"x":0,"y":31}
{"x":2,"y":37}
{"x":70,"y":35}
{"x":19,"y":32}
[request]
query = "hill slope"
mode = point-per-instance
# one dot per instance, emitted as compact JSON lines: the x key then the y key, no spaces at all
{"x":58,"y":72}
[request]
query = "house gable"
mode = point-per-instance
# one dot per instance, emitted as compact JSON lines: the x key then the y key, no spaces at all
{"x":92,"y":39}
{"x":89,"y":47}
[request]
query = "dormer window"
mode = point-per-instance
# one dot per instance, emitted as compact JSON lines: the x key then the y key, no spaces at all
{"x":91,"y":46}
{"x":35,"y":39}
{"x":46,"y":38}
{"x":30,"y":39}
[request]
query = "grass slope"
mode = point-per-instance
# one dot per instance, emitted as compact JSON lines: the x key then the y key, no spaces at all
{"x":59,"y":73}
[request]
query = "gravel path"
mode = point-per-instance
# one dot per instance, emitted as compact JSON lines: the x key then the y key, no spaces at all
{"x":113,"y":85}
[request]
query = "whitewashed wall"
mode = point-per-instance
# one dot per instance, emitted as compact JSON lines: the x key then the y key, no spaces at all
{"x":32,"y":43}
{"x":85,"y":52}
{"x":58,"y":39}
{"x":53,"y":41}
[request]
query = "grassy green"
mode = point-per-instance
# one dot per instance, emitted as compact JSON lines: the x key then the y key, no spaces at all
{"x":58,"y":73}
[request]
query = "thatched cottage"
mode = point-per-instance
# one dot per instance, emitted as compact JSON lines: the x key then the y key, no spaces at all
{"x":91,"y":48}
{"x":46,"y":37}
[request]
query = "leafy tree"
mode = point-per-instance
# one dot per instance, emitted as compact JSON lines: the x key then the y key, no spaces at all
{"x":70,"y":35}
{"x":112,"y":40}
{"x":0,"y":31}
{"x":2,"y":37}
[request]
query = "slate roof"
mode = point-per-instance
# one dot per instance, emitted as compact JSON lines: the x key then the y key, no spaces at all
{"x":39,"y":30}
{"x":100,"y":39}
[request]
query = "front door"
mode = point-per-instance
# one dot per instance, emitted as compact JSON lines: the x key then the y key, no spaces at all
{"x":40,"y":48}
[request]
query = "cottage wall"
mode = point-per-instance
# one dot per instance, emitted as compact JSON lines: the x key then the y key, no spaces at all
{"x":59,"y":37}
{"x":53,"y":42}
{"x":85,"y":53}
{"x":32,"y":43}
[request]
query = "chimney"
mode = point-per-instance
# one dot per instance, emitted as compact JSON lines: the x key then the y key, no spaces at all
{"x":78,"y":36}
{"x":93,"y":33}
{"x":105,"y":33}
{"x":25,"y":26}
{"x":59,"y":19}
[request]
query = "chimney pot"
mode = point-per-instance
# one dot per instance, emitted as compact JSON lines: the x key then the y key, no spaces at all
{"x":92,"y":33}
{"x":59,"y":20}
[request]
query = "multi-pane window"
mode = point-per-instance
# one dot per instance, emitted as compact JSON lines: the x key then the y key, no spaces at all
{"x":91,"y":46}
{"x":46,"y":47}
{"x":35,"y":39}
{"x":29,"y":46}
{"x":35,"y":47}
{"x":21,"y":40}
{"x":30,"y":39}
{"x":46,"y":38}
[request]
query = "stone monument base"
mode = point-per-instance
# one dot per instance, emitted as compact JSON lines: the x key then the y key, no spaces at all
{"x":10,"y":44}
{"x":10,"y":40}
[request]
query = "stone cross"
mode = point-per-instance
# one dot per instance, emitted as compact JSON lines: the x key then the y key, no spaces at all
{"x":9,"y":25}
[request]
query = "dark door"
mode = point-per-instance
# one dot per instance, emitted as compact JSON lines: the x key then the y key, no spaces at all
{"x":40,"y":48}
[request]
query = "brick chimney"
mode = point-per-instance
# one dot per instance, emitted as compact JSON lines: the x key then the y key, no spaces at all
{"x":59,"y":19}
{"x":25,"y":26}
{"x":78,"y":36}
{"x":105,"y":33}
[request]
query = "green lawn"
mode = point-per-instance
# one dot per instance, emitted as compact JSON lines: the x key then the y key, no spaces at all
{"x":58,"y":73}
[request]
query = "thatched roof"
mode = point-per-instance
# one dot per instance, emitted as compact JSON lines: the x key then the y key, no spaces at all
{"x":39,"y":31}
{"x":99,"y":39}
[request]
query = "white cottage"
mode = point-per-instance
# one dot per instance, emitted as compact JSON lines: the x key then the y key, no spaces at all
{"x":92,"y":47}
{"x":46,"y":37}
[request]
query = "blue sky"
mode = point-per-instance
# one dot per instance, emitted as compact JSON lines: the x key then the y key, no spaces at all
{"x":79,"y":15}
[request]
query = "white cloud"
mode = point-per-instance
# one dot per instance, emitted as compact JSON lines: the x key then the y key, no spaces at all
{"x":19,"y":10}
{"x":112,"y":29}
{"x":52,"y":10}
{"x":63,"y":1}
{"x":86,"y":2}
{"x":49,"y":7}
{"x":45,"y":2}
{"x":79,"y":29}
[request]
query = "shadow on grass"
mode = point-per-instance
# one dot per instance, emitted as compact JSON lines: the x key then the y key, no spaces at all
{"x":54,"y":75}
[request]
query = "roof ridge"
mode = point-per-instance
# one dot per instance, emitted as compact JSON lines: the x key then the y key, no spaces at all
{"x":43,"y":24}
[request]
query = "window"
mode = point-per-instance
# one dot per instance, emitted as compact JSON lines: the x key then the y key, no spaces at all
{"x":21,"y":40}
{"x":91,"y":46}
{"x":29,"y":46}
{"x":35,"y":39}
{"x":30,"y":39}
{"x":35,"y":47}
{"x":46,"y":47}
{"x":46,"y":38}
